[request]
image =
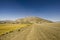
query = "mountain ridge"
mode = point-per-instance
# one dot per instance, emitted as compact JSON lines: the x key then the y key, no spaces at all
{"x":31,"y":19}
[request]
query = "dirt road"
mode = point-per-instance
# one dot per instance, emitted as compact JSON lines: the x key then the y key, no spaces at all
{"x":34,"y":32}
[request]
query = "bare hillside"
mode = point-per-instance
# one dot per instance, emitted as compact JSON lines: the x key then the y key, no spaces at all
{"x":33,"y":20}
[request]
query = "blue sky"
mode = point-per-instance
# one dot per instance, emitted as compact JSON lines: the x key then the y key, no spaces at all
{"x":13,"y":9}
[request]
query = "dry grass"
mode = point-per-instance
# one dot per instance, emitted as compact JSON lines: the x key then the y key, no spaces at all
{"x":10,"y":27}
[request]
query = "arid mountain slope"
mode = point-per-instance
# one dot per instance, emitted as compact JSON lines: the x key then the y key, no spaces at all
{"x":26,"y":20}
{"x":33,"y":20}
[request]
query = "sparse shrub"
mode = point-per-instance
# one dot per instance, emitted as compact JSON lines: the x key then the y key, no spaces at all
{"x":18,"y":29}
{"x":6,"y":32}
{"x":10,"y":31}
{"x":3,"y":34}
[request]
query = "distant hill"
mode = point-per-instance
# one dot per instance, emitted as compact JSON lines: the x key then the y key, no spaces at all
{"x":33,"y":20}
{"x":6,"y":21}
{"x":27,"y":20}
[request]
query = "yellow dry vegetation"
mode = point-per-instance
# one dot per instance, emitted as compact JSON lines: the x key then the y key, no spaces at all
{"x":10,"y":27}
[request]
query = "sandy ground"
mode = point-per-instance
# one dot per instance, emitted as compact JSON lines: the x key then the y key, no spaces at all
{"x":34,"y":32}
